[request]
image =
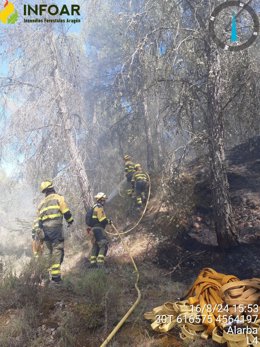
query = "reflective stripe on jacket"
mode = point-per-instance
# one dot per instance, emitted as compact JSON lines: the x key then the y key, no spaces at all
{"x":99,"y":217}
{"x":139,"y":176}
{"x":52,"y":208}
{"x":129,"y":167}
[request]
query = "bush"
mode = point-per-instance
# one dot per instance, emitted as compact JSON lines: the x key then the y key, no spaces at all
{"x":24,"y":297}
{"x":17,"y":292}
{"x":99,"y":298}
{"x":21,"y":329}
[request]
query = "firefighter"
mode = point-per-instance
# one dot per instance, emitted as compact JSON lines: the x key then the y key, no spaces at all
{"x":129,"y":171}
{"x":51,"y":211}
{"x":140,"y":183}
{"x":37,"y":239}
{"x":100,"y":241}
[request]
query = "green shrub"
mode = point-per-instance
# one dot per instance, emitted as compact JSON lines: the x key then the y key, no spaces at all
{"x":21,"y":329}
{"x":99,"y":299}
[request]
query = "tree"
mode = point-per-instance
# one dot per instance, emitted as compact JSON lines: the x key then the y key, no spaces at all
{"x":45,"y":88}
{"x":223,"y":216}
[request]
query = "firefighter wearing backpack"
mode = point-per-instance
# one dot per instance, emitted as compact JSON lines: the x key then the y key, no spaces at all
{"x":129,"y":171}
{"x":51,"y":211}
{"x":96,"y":218}
{"x":140,"y":183}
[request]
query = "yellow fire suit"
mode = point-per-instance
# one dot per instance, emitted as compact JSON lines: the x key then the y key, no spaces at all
{"x":129,"y":171}
{"x":140,"y":183}
{"x":100,"y":244}
{"x":51,"y":211}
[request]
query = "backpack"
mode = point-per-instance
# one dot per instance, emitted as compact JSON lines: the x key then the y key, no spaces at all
{"x":89,"y":220}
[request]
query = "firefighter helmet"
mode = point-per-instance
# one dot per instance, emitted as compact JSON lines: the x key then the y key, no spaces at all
{"x":137,"y":166}
{"x":46,"y":184}
{"x":100,"y":196}
{"x":127,"y":157}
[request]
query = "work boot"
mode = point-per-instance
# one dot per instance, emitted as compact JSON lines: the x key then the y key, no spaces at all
{"x":92,"y":266}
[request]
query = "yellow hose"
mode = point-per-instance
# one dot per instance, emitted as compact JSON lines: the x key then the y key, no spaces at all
{"x":132,"y":308}
{"x":142,"y":215}
{"x":119,"y":234}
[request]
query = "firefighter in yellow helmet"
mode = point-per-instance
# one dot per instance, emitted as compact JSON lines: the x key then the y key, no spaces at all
{"x":98,"y":223}
{"x":140,"y":183}
{"x":51,"y":211}
{"x":37,"y":239}
{"x":129,"y":171}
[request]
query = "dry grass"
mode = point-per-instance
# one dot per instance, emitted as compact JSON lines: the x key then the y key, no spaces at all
{"x":21,"y":301}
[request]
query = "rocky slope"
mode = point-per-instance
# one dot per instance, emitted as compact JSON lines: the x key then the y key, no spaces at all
{"x":172,"y":243}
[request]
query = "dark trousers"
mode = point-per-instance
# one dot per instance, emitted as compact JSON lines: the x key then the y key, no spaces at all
{"x":129,"y":183}
{"x":54,"y":250}
{"x":140,"y":190}
{"x":99,"y":246}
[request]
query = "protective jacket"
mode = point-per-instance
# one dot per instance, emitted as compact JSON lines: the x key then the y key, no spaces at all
{"x":139,"y":176}
{"x":99,"y":216}
{"x":50,"y":215}
{"x":100,"y":246}
{"x":129,"y":168}
{"x":52,"y":209}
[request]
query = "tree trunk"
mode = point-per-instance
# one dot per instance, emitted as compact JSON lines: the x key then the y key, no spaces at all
{"x":76,"y":159}
{"x":148,"y":134}
{"x":223,"y":215}
{"x":159,"y":131}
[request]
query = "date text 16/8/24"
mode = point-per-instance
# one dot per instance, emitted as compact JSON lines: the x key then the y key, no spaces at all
{"x":240,"y":308}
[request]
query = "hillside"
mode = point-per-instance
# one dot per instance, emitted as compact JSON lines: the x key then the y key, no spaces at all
{"x":169,"y":248}
{"x":197,"y":229}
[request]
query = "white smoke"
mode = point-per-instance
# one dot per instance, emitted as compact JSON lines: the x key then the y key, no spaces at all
{"x":115,"y":191}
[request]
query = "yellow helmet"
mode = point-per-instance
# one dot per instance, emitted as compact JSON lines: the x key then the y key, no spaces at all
{"x":127,"y":157}
{"x":137,"y":166}
{"x":100,"y":196}
{"x":45,"y":185}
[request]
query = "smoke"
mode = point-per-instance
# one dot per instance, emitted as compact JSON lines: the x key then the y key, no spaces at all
{"x":16,"y":215}
{"x":115,"y":191}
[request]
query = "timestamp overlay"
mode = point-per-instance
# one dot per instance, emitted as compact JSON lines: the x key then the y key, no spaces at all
{"x":234,"y":25}
{"x":233,"y":319}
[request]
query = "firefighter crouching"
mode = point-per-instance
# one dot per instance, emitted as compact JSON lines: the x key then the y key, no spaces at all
{"x":140,"y":183}
{"x":129,"y":171}
{"x":51,"y":211}
{"x":98,"y":221}
{"x":37,"y":239}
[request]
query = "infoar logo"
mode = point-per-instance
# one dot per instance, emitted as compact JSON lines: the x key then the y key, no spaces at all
{"x":8,"y":15}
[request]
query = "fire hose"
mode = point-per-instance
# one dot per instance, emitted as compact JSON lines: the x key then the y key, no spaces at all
{"x":143,"y":213}
{"x":132,"y":308}
{"x":119,"y":234}
{"x":217,"y":305}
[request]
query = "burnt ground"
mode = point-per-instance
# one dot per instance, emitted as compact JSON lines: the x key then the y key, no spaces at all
{"x":195,"y":247}
{"x":170,"y":248}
